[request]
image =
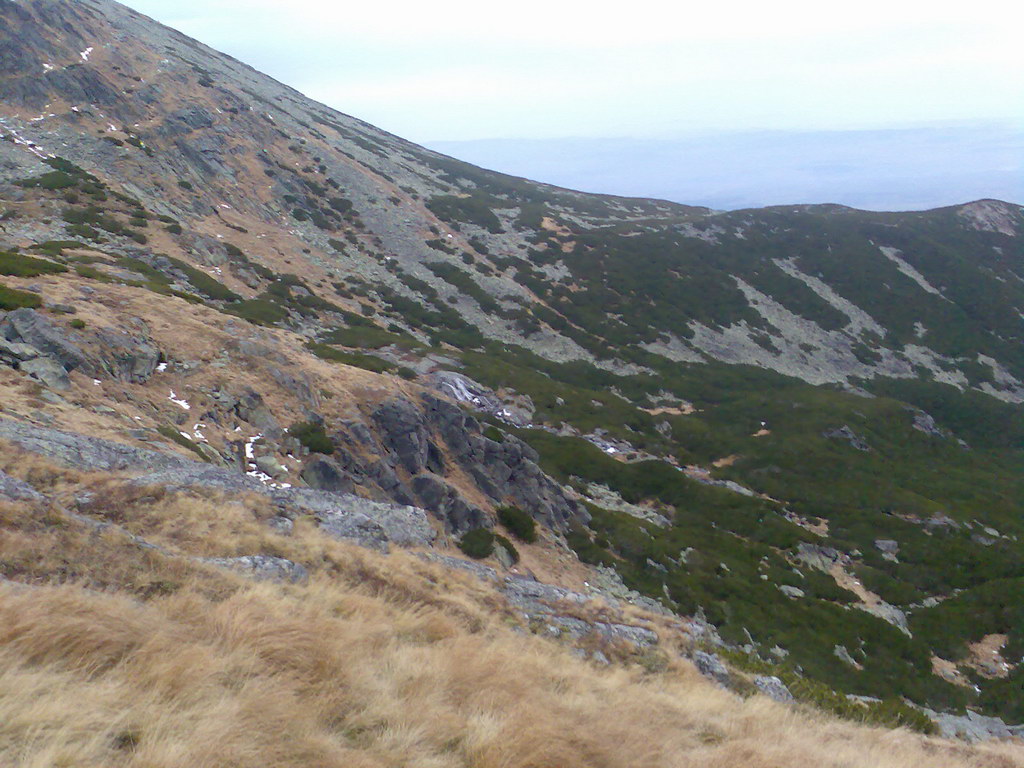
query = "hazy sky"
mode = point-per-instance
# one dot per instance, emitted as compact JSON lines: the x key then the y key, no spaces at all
{"x":469,"y":69}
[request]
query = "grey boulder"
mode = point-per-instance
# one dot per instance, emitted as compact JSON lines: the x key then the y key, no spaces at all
{"x":12,"y":489}
{"x":264,"y":567}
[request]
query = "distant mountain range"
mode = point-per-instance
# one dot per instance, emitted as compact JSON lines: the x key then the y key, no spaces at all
{"x":885,"y":170}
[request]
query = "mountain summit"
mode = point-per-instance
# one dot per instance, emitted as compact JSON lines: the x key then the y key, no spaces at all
{"x":236,"y":324}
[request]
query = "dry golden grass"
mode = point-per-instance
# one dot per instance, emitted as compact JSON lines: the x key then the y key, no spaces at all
{"x":377,"y":661}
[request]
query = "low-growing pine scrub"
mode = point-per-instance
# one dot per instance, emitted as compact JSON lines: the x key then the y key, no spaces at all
{"x":518,"y":523}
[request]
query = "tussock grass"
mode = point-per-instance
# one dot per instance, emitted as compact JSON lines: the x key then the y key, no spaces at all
{"x":333,"y":676}
{"x":115,"y":656}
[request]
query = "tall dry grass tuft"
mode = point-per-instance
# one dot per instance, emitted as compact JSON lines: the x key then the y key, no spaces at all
{"x":113,"y":656}
{"x":330,"y":675}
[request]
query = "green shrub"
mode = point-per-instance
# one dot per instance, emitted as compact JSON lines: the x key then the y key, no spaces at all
{"x":478,"y":543}
{"x":173,"y":434}
{"x":50,"y":181}
{"x":56,"y":247}
{"x":367,"y":362}
{"x":518,"y":523}
{"x":12,"y":299}
{"x":369,"y":337}
{"x":26,"y":266}
{"x":84,"y":270}
{"x":205,"y":284}
{"x":185,"y":185}
{"x":312,"y":436}
{"x":84,"y":230}
{"x":258,"y":311}
{"x":476,"y":209}
{"x":78,"y":323}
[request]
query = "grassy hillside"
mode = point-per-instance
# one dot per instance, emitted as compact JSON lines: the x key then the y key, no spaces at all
{"x":120,"y":656}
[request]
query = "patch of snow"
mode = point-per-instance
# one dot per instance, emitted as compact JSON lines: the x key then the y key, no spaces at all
{"x":86,"y":53}
{"x":183,"y":404}
{"x":249,"y":452}
{"x":161,"y":368}
{"x":97,"y":382}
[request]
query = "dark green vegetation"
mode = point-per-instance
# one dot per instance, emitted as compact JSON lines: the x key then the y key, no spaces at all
{"x":183,"y":440}
{"x":17,"y":265}
{"x":11,"y":299}
{"x":519,"y":523}
{"x":726,"y":554}
{"x":312,"y":436}
{"x":478,"y":543}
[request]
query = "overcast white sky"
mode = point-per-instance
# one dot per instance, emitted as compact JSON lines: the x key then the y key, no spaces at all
{"x":469,"y":69}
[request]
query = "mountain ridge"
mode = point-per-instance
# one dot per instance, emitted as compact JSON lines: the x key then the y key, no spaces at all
{"x":771,"y":418}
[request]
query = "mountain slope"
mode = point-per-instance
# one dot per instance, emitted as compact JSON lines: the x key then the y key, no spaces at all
{"x":779,"y":418}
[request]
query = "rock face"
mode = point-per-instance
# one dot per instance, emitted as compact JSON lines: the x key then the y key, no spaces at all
{"x":30,"y":342}
{"x":710,"y":665}
{"x":12,"y":489}
{"x":847,"y":434}
{"x":264,"y":567}
{"x":126,"y":357}
{"x":324,"y":474}
{"x":410,"y":436}
{"x":973,"y":727}
{"x":441,"y":498}
{"x":370,"y":523}
{"x":773,"y":688}
{"x":87,"y":453}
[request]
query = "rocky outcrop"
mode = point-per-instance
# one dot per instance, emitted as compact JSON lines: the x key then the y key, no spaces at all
{"x":773,"y":688}
{"x":817,"y":556}
{"x":47,"y":352}
{"x":845,"y":433}
{"x":13,"y":489}
{"x":711,"y":665}
{"x":403,"y":432}
{"x":972,"y":727}
{"x":264,"y":567}
{"x":442,"y":499}
{"x":30,"y":342}
{"x":85,"y":453}
{"x":552,"y":607}
{"x":889,"y":549}
{"x":369,"y":523}
{"x":127,"y":357}
{"x":463,"y":389}
{"x":505,"y":470}
{"x":324,"y":474}
{"x":411,"y":438}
